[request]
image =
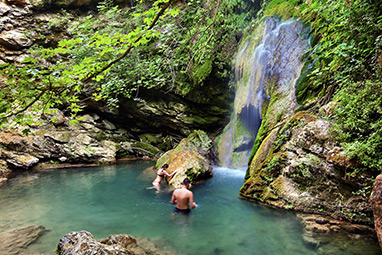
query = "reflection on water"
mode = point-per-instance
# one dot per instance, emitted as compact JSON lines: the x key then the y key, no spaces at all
{"x":114,"y":200}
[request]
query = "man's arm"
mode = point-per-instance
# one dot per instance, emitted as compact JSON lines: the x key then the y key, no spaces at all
{"x":173,"y":199}
{"x":192,"y":203}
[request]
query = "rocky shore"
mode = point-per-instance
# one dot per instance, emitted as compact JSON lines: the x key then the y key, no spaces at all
{"x":83,"y":243}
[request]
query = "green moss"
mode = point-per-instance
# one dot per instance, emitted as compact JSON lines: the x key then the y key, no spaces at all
{"x":165,"y":158}
{"x":145,"y":149}
{"x":199,"y":140}
{"x":192,"y":175}
{"x":149,"y":138}
{"x":306,"y":93}
{"x":282,"y":8}
{"x":268,"y":194}
{"x":202,"y":72}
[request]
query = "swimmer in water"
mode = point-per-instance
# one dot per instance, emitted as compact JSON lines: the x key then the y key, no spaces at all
{"x":161,"y":174}
{"x":183,"y":197}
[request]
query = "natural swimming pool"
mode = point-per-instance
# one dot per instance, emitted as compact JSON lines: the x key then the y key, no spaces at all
{"x":114,"y":200}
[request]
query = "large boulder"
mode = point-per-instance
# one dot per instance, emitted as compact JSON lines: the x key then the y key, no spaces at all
{"x":191,"y":158}
{"x":376,"y":203}
{"x":83,"y":243}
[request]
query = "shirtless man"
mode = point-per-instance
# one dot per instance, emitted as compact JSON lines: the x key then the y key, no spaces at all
{"x":182,"y":197}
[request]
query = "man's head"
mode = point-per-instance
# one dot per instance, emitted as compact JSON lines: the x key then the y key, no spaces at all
{"x":186,"y":182}
{"x":165,"y":166}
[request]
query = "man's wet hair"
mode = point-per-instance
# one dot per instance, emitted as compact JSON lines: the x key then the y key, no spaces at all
{"x":186,"y":181}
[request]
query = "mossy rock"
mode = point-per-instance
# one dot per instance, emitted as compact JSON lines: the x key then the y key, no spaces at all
{"x":149,"y":138}
{"x":269,"y":194}
{"x":145,"y":149}
{"x":262,"y":153}
{"x":189,"y":159}
{"x":164,"y":159}
{"x":202,"y":72}
{"x":198,"y":140}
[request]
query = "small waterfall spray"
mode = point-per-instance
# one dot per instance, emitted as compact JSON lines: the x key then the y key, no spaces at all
{"x":269,"y":56}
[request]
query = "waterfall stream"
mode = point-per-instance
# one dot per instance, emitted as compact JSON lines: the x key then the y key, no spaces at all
{"x":269,"y":59}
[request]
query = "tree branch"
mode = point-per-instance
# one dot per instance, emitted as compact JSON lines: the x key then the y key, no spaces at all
{"x":211,"y":25}
{"x":27,"y":106}
{"x":155,"y":20}
{"x":95,"y":73}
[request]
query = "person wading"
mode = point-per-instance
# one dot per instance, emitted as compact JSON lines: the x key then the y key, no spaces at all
{"x":161,"y":174}
{"x":183,"y":197}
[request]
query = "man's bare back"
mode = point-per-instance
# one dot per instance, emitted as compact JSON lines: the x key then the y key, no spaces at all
{"x":183,"y":197}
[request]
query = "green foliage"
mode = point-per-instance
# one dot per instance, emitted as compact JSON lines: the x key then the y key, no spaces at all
{"x":200,"y":140}
{"x":284,"y":8}
{"x":359,"y":121}
{"x":342,"y":49}
{"x":179,"y":55}
{"x":203,"y":71}
{"x":61,"y":76}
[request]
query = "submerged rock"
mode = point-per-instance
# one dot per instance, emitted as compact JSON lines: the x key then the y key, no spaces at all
{"x":14,"y":241}
{"x":83,"y":243}
{"x":330,"y":236}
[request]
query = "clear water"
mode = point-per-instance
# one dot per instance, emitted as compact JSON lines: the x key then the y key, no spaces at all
{"x":114,"y":200}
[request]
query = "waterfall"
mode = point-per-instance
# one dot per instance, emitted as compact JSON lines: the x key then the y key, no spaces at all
{"x":269,"y":59}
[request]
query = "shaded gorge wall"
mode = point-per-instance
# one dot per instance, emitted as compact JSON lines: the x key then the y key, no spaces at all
{"x":267,"y":63}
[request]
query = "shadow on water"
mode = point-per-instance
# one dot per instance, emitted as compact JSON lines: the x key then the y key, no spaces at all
{"x":114,"y":200}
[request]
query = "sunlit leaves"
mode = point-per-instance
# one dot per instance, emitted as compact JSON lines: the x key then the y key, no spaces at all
{"x":58,"y":76}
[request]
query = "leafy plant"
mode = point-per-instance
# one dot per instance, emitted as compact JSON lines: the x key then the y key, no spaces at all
{"x":59,"y":76}
{"x":179,"y":55}
{"x":359,"y":121}
{"x":283,"y":8}
{"x":342,"y":51}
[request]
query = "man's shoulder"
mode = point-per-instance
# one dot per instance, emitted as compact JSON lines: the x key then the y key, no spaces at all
{"x":184,"y":191}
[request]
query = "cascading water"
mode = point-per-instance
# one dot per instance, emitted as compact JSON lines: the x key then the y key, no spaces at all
{"x":268,"y":59}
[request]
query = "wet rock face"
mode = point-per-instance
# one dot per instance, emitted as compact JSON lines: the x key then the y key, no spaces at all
{"x":158,"y":111}
{"x":268,"y":64}
{"x":83,"y":243}
{"x":376,"y":203}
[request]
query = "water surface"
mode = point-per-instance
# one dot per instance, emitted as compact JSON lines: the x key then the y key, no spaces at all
{"x":114,"y":200}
